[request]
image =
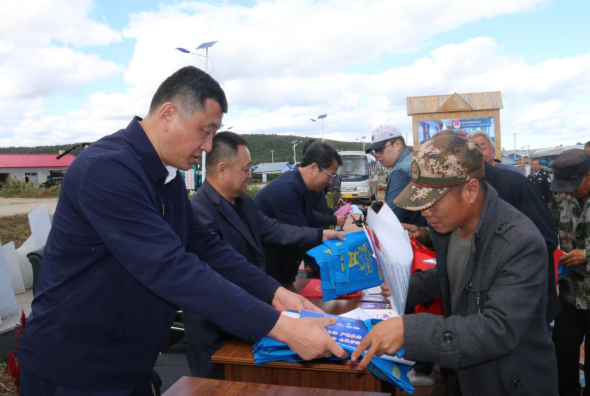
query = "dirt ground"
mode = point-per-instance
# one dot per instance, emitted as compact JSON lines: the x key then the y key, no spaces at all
{"x":14,"y":228}
{"x":20,"y":201}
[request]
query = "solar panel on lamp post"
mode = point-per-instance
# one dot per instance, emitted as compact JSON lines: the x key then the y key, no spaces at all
{"x":206,"y":47}
{"x":321,"y":117}
{"x":362,"y":141}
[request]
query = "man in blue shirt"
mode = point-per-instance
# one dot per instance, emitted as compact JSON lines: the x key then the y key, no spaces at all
{"x":288,"y":199}
{"x":390,"y":149}
{"x":126,"y":251}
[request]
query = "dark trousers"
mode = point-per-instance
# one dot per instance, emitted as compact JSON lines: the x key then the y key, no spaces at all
{"x":199,"y":361}
{"x":571,"y":326}
{"x":33,"y":385}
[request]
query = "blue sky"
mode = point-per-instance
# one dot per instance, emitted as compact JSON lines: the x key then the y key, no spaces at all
{"x":71,"y":72}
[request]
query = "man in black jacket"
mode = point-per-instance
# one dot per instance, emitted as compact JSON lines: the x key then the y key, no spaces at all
{"x":288,"y":199}
{"x":513,"y":188}
{"x":222,"y":205}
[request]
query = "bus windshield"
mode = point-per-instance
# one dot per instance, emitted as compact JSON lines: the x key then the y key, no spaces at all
{"x":354,"y":168}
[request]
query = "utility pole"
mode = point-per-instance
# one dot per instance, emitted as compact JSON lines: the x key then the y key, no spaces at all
{"x":272,"y":153}
{"x":528,"y":149}
{"x":514,"y":149}
{"x":295,"y":143}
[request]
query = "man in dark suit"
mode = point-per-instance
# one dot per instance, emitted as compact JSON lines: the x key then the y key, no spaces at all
{"x":126,"y":250}
{"x":222,"y":205}
{"x":288,"y":199}
{"x":541,"y":180}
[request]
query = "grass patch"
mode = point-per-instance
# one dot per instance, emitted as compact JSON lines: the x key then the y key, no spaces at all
{"x":18,"y":189}
{"x":252,"y":190}
{"x":15,"y":228}
{"x":6,"y":385}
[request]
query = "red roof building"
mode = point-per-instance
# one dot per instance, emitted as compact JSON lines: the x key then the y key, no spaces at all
{"x":35,"y":161}
{"x":34,"y":168}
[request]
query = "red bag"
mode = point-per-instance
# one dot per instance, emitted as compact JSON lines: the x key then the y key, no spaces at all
{"x":422,"y":253}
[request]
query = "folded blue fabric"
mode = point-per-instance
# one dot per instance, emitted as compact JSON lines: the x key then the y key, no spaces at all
{"x":347,"y":333}
{"x":346,"y":266}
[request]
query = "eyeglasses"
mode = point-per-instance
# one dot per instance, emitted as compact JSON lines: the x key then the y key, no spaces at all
{"x":380,"y":151}
{"x":332,"y":176}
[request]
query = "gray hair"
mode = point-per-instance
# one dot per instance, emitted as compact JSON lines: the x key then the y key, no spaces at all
{"x":485,"y":135}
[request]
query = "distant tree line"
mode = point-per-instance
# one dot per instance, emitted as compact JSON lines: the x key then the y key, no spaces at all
{"x":260,"y":147}
{"x":41,"y":149}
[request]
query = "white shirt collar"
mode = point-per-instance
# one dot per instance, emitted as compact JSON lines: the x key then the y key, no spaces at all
{"x":171,"y":174}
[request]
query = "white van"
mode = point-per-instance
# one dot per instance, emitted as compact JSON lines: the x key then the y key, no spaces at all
{"x":360,"y":178}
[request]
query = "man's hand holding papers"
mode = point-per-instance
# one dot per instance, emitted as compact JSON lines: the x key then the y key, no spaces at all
{"x":385,"y":292}
{"x":387,"y":338}
{"x":333,"y":234}
{"x":285,"y":300}
{"x":414,"y":231}
{"x":307,"y":337}
{"x":573,"y":259}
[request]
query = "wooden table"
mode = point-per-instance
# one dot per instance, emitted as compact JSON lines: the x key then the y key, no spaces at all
{"x":189,"y":386}
{"x":237,"y":357}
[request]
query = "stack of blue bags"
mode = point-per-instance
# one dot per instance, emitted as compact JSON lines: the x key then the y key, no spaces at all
{"x":347,"y":333}
{"x":346,"y":266}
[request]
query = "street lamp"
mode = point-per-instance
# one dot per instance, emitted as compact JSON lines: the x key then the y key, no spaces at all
{"x":295,"y":143}
{"x":321,"y":117}
{"x":206,"y":47}
{"x":362,"y":141}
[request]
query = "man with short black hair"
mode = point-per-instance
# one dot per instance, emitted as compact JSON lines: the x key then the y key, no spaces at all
{"x":490,"y":272}
{"x":541,"y":180}
{"x":587,"y":147}
{"x":126,"y":251}
{"x":390,"y":149}
{"x":570,"y":207}
{"x":222,"y":205}
{"x":324,"y":215}
{"x":288,"y":199}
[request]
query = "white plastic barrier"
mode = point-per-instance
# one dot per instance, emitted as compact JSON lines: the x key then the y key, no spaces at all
{"x":16,"y":277}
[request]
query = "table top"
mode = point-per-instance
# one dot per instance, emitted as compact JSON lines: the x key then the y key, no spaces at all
{"x":239,"y":352}
{"x":189,"y":386}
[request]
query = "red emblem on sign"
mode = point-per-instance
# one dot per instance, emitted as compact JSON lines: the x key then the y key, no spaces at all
{"x":457,"y":124}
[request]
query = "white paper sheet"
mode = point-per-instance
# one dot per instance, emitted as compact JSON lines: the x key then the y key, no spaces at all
{"x":393,"y":252}
{"x":374,"y":290}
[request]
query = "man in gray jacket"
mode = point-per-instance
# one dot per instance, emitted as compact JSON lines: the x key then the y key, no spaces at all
{"x":490,"y":273}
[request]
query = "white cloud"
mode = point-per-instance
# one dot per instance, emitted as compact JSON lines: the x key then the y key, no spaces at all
{"x":283,"y":62}
{"x":294,"y":38}
{"x":38,"y":23}
{"x":36,"y":59}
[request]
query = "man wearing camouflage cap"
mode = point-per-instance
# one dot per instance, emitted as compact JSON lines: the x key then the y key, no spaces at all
{"x":490,"y":273}
{"x":571,"y":211}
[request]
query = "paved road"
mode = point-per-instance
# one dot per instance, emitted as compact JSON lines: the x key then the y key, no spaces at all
{"x":12,"y":206}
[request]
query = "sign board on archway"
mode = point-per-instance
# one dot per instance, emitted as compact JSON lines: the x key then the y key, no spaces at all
{"x":463,"y":113}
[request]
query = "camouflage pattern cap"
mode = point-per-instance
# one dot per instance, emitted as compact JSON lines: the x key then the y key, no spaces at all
{"x":441,"y":163}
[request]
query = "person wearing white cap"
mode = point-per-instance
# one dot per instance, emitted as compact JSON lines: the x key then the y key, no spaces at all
{"x":390,"y":149}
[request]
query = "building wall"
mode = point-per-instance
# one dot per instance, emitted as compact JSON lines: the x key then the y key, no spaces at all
{"x":20,"y":173}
